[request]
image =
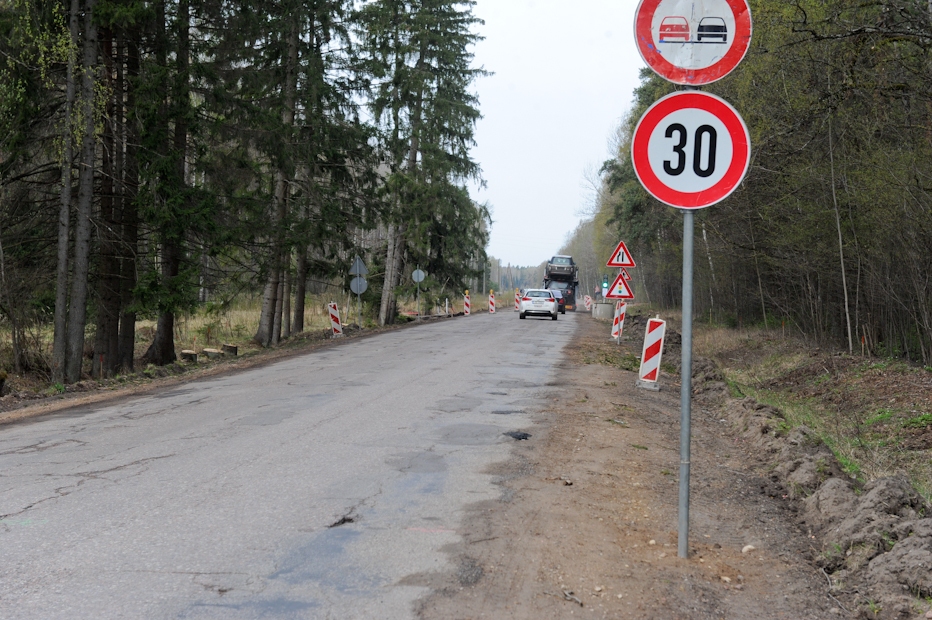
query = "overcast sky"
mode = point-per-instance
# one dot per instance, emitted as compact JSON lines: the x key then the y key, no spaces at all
{"x":564,"y":77}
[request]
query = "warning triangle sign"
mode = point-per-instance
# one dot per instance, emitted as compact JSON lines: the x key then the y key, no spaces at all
{"x":624,"y":274}
{"x":619,"y":289}
{"x":621,"y":257}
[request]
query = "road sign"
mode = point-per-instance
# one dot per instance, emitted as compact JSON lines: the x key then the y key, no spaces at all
{"x":418,"y":276}
{"x":621,"y":257}
{"x":691,"y":149}
{"x":625,"y":275}
{"x":358,"y":285}
{"x":692,"y":41}
{"x":619,"y":289}
{"x":358,"y":268}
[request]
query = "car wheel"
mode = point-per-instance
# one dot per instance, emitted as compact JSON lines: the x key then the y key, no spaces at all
{"x":562,"y":311}
{"x":555,"y":315}
{"x":521,"y":315}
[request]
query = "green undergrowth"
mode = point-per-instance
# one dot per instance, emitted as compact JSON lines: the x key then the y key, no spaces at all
{"x":618,"y":359}
{"x":874,"y":414}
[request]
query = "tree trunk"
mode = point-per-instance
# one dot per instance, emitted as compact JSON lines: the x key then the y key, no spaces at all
{"x":300,"y":291}
{"x":388,"y":292}
{"x":59,"y":348}
{"x":277,"y":317}
{"x":6,"y":304}
{"x":271,"y":306}
{"x":106,"y":339}
{"x":263,"y":335}
{"x":77,"y":314}
{"x":712,"y":284}
{"x":841,"y":245}
{"x":286,"y":301}
{"x":130,"y":221}
{"x":400,"y":244}
{"x":162,"y":349}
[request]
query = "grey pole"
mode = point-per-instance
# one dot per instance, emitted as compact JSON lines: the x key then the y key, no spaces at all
{"x":686,"y":388}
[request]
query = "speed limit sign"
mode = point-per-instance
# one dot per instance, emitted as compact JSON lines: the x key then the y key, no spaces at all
{"x":691,"y":149}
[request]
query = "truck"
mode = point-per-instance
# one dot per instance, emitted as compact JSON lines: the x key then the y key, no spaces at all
{"x":562,"y":274}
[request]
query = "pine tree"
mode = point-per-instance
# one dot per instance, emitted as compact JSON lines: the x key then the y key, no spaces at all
{"x":420,"y":63}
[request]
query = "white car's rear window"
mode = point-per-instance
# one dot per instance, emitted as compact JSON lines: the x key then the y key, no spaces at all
{"x":539,"y":294}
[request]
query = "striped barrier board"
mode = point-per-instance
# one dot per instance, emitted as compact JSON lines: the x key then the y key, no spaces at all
{"x":588,"y":301}
{"x":649,"y":373}
{"x":618,"y":325}
{"x":336,"y":327}
{"x":517,"y":299}
{"x":466,"y":304}
{"x":491,"y":302}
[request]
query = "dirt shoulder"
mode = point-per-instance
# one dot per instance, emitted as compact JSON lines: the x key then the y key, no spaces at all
{"x":587,"y":523}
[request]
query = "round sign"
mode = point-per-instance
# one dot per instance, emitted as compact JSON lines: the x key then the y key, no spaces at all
{"x":358,"y":285}
{"x":691,"y":149}
{"x":418,"y":276}
{"x":692,"y":41}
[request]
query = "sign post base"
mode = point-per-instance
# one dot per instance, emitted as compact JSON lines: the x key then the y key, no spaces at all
{"x":653,"y":386}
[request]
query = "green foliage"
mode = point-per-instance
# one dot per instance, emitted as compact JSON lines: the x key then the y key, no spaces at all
{"x":881,"y":415}
{"x":835,"y":95}
{"x":920,"y":421}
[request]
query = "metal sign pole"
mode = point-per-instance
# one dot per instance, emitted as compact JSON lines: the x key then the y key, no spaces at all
{"x":686,"y":388}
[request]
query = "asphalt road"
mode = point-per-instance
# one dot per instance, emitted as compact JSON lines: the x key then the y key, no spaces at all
{"x":219,"y":498}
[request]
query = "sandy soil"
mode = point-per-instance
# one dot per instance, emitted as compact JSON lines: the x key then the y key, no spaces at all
{"x":587,"y":522}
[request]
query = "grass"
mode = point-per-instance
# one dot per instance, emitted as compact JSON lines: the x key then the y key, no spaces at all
{"x":235,"y":324}
{"x":881,"y":415}
{"x":861,"y":411}
{"x":210,"y":326}
{"x":920,"y":421}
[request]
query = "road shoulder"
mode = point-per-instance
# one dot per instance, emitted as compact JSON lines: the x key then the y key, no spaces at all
{"x":587,"y":519}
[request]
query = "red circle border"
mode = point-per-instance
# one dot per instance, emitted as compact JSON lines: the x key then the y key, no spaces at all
{"x":696,"y":77}
{"x":741,"y":149}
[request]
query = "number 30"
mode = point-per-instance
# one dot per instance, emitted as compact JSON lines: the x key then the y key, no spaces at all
{"x":680,"y":149}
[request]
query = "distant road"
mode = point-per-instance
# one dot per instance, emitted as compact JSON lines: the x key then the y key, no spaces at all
{"x":308,"y":488}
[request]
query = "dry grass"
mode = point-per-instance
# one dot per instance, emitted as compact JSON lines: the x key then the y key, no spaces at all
{"x":860,"y":408}
{"x":236,"y":324}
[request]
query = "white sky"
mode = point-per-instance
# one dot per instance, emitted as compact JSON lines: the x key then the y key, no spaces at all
{"x":564,"y":76}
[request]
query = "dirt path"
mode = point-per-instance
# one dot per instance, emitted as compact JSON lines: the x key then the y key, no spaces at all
{"x":587,"y":523}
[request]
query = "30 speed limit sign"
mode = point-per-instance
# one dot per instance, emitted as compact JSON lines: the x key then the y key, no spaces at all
{"x":691,"y":149}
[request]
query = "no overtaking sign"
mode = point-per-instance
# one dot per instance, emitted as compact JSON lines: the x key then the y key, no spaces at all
{"x":692,"y":41}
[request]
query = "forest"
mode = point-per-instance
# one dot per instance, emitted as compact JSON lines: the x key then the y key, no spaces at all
{"x":161,"y":157}
{"x":830,"y":234}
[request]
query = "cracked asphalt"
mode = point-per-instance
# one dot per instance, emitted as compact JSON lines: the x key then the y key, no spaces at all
{"x":308,"y":488}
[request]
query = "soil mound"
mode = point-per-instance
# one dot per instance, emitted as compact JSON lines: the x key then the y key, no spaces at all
{"x":876,"y":538}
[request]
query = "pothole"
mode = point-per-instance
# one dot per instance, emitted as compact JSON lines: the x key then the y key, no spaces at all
{"x":343,"y":521}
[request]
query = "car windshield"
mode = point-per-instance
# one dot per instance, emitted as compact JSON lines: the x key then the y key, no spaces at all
{"x":561,"y":260}
{"x":558,"y":285}
{"x":539,"y":294}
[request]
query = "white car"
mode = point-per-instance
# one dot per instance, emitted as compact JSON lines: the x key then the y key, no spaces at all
{"x":538,"y":301}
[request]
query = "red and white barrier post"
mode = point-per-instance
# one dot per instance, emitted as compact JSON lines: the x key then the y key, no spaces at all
{"x":618,"y":325}
{"x":336,"y":327}
{"x":491,"y":301}
{"x":588,"y":301}
{"x":466,"y":303}
{"x":649,"y":373}
{"x":517,"y":299}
